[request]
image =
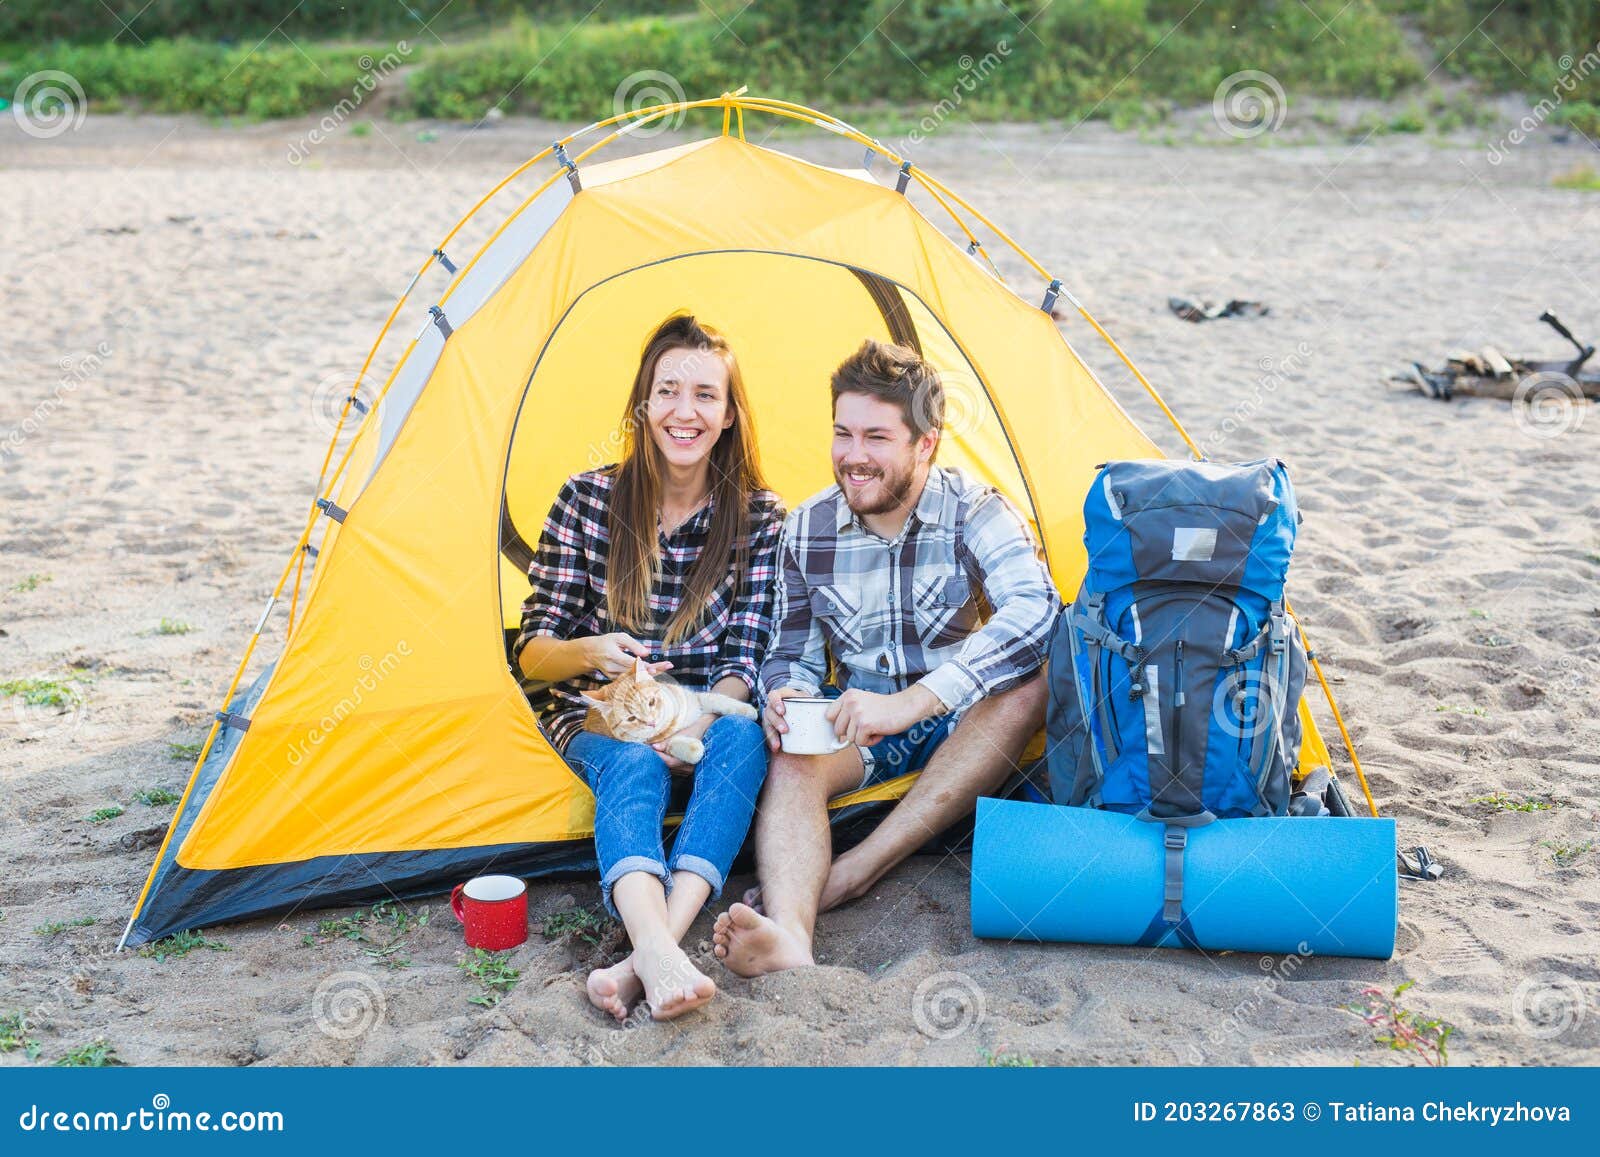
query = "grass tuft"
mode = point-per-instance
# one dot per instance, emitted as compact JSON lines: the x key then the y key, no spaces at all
{"x":157,"y":796}
{"x":1006,"y":1060}
{"x":589,"y":925}
{"x":1403,"y":1029}
{"x":42,"y":692}
{"x":1580,"y":177}
{"x":181,"y":944}
{"x":394,"y":923}
{"x":30,"y":582}
{"x":173,"y":627}
{"x":493,"y":972}
{"x":98,"y":1054}
{"x":14,"y":1030}
{"x":57,"y":927}
{"x":101,"y":815}
{"x":1565,"y":853}
{"x":1504,"y":802}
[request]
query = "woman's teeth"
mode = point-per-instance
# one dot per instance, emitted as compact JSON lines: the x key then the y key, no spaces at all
{"x":681,"y":435}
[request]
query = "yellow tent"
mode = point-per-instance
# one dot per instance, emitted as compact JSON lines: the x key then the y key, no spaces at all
{"x":389,"y":749}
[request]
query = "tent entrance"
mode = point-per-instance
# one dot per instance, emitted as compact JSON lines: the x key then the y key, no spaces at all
{"x":791,"y":320}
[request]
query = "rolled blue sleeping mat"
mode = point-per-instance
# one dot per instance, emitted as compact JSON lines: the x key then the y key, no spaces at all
{"x":1325,"y":886}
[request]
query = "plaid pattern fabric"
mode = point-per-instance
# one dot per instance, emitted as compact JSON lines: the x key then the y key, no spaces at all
{"x":910,"y":610}
{"x":568,"y":601}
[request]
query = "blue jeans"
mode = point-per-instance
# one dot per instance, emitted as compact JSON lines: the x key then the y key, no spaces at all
{"x":631,"y":786}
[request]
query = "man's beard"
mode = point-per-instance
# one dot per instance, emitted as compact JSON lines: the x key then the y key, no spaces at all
{"x":894,"y":487}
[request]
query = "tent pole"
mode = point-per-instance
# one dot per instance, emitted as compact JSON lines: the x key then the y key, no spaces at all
{"x":1338,"y":718}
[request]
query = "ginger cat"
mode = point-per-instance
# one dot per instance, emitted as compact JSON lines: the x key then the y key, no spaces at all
{"x":639,"y":708}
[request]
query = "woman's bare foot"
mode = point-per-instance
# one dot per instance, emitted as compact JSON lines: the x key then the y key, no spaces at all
{"x":672,"y":984}
{"x":615,"y":989}
{"x":751,"y":944}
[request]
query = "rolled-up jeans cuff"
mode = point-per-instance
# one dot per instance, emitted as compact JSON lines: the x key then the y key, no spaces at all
{"x":631,"y":864}
{"x":705,"y":869}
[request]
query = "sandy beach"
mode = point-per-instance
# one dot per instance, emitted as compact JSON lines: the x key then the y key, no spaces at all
{"x":184,"y":303}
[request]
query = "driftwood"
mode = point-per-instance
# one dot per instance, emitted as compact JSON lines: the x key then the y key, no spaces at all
{"x":1490,"y":374}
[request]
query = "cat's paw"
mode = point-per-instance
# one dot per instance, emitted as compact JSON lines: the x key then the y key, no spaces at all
{"x":745,"y":711}
{"x":685,"y":748}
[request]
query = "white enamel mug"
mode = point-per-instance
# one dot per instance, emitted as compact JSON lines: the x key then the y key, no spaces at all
{"x":809,"y":732}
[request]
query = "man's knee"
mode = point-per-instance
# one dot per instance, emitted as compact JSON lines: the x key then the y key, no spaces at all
{"x":821,"y":776}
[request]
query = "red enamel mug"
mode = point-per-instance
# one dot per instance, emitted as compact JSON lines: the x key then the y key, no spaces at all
{"x":493,"y":910}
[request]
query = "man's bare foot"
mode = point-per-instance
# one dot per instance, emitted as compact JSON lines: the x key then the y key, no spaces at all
{"x":844,"y":884}
{"x":672,"y":984}
{"x":751,"y":944}
{"x":615,"y":989}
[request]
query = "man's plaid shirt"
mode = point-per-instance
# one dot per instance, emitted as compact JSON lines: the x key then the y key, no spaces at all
{"x":568,"y":600}
{"x":910,"y":610}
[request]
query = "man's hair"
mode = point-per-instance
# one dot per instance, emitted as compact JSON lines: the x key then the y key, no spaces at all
{"x":898,"y":375}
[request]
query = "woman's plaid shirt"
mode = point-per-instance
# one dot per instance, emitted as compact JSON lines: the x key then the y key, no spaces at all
{"x":568,"y":600}
{"x":959,"y":600}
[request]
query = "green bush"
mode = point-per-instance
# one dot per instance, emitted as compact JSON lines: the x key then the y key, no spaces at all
{"x":247,"y":21}
{"x":214,"y":79}
{"x":1513,"y":45}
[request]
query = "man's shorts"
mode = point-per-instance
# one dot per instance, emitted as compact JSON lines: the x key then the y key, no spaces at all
{"x":897,"y":755}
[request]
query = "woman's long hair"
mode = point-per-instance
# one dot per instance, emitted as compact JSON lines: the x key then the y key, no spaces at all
{"x":635,"y":558}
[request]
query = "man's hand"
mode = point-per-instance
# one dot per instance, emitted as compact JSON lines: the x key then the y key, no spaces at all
{"x":614,"y":655}
{"x":696,"y":730}
{"x":772,"y":720}
{"x":864,"y":717}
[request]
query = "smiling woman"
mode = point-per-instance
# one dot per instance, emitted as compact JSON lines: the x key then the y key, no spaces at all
{"x":665,"y":560}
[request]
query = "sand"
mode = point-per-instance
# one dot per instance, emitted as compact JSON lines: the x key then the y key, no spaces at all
{"x":182,"y":303}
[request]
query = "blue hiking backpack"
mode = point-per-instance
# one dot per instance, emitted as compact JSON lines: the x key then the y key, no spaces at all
{"x":1175,"y":676}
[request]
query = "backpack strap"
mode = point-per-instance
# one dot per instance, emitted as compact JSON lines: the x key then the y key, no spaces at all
{"x":1100,"y":637}
{"x":1095,"y":628}
{"x":1096,"y":799}
{"x":1268,"y":739}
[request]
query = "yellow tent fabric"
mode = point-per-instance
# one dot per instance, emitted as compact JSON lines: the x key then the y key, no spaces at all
{"x":391,"y":724}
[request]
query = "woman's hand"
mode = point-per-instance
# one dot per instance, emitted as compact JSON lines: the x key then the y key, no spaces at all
{"x":614,"y":655}
{"x":696,"y":730}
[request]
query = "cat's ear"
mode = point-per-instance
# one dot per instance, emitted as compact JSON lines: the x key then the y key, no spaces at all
{"x":642,"y":672}
{"x":599,"y":697}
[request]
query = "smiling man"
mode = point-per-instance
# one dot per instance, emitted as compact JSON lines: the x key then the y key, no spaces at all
{"x":929,"y":593}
